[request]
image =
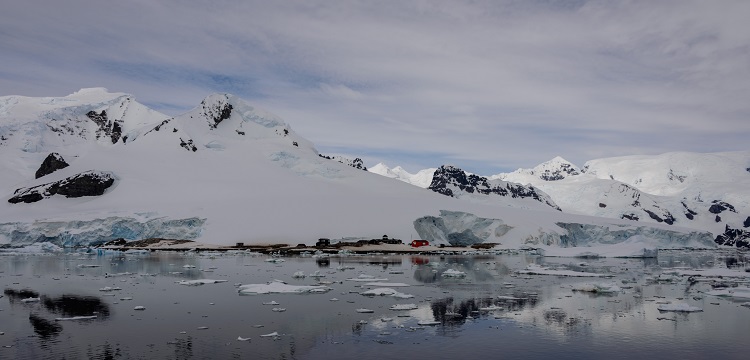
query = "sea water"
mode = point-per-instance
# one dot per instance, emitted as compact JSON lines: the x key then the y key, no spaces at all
{"x":81,"y":306}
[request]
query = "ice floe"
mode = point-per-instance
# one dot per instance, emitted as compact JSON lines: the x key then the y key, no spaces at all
{"x":386,"y":292}
{"x":75,"y":318}
{"x":200,"y":282}
{"x":139,"y":307}
{"x":601,"y":288}
{"x":403,"y":307}
{"x":737,"y":292}
{"x":533,"y":269}
{"x":383,"y":284}
{"x":278,"y":287}
{"x":678,"y":307}
{"x":453,"y":273}
{"x":365,"y":311}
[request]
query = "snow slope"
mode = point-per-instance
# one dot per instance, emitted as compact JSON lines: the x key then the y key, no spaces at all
{"x":227,"y":172}
{"x":422,"y":178}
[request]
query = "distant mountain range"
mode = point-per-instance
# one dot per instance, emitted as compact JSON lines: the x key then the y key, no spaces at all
{"x":708,"y":192}
{"x":95,"y":166}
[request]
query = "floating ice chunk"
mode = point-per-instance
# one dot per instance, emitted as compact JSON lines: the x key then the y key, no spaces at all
{"x":533,"y":269}
{"x":298,"y":275}
{"x":403,"y":307}
{"x":202,"y":328}
{"x":365,"y":311}
{"x":602,"y":288}
{"x":240,"y":338}
{"x":427,"y":323}
{"x":317,"y":274}
{"x":277,"y":287}
{"x":88,"y":266}
{"x":30,"y":300}
{"x":509,"y":297}
{"x":275,"y":260}
{"x":738,"y":292}
{"x":382,"y":284}
{"x":126,"y":298}
{"x":278,"y":309}
{"x":273,"y":334}
{"x":366,"y":278}
{"x":271,"y":303}
{"x":108,"y":289}
{"x":386,"y":319}
{"x":200,"y":282}
{"x":454,"y":273}
{"x":74,"y":318}
{"x":334,"y":299}
{"x":188,"y":266}
{"x":386,"y":292}
{"x":139,"y":307}
{"x":679,"y":307}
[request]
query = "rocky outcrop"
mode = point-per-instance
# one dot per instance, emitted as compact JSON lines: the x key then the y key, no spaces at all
{"x":216,"y":109}
{"x":452,"y":181}
{"x":51,"y":163}
{"x":89,"y":183}
{"x":106,"y":127}
{"x":734,"y":237}
{"x":357,"y":163}
{"x":717,"y":207}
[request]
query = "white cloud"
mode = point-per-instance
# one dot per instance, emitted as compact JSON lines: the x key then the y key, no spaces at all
{"x":500,"y":83}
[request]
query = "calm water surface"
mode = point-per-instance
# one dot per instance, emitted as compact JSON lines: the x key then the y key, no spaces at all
{"x":545,"y":318}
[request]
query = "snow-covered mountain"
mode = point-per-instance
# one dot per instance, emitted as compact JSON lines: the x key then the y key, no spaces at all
{"x":709,"y":192}
{"x":422,"y":178}
{"x":227,"y":172}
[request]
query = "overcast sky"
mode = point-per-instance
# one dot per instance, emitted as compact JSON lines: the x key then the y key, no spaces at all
{"x":488,"y":86}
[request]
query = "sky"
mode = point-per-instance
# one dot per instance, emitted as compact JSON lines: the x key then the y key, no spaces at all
{"x":488,"y":86}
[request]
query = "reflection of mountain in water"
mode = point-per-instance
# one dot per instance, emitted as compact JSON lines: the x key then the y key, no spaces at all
{"x":75,"y":305}
{"x":44,"y":328}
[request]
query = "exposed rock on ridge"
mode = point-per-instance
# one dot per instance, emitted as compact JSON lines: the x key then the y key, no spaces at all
{"x":89,"y":183}
{"x":451,"y":181}
{"x":51,"y":163}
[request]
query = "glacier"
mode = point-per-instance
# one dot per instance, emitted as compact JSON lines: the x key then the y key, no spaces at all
{"x":462,"y":229}
{"x":74,"y":233}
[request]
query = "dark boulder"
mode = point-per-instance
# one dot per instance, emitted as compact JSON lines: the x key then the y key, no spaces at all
{"x":51,"y":163}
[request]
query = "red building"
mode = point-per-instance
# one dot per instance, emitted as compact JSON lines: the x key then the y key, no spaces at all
{"x":418,"y":243}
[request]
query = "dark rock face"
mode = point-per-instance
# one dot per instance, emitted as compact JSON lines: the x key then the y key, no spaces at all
{"x":107,"y":127}
{"x":446,"y":178}
{"x":633,"y":217}
{"x":559,"y":174}
{"x":188,"y":145}
{"x":734,"y":237}
{"x":672,"y":176}
{"x":747,"y":222}
{"x":718,"y":207}
{"x":357,"y":163}
{"x":216,"y":112}
{"x":51,"y":163}
{"x":89,"y":183}
{"x":689,"y":213}
{"x":668,"y":218}
{"x":602,"y":205}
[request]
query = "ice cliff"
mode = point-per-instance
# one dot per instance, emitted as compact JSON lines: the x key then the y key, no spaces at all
{"x":96,"y":231}
{"x":462,"y":229}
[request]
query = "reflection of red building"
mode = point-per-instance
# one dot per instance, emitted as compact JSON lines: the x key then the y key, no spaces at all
{"x":420,"y":260}
{"x":418,"y":243}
